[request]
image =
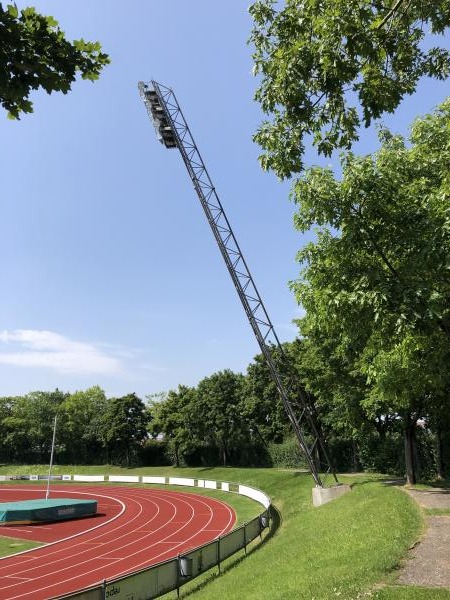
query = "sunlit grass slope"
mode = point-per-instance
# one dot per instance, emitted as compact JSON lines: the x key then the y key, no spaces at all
{"x":339,"y":550}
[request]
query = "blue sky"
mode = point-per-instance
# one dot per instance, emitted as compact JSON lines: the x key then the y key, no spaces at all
{"x":110,"y":274}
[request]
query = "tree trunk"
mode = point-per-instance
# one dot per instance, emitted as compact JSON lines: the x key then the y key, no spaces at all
{"x":381,"y":429}
{"x":416,"y":457}
{"x":355,"y":456}
{"x":177,"y":455}
{"x":438,"y":454}
{"x":409,"y":439}
{"x":224,"y":455}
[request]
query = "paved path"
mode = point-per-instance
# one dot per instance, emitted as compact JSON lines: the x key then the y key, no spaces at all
{"x":428,"y":563}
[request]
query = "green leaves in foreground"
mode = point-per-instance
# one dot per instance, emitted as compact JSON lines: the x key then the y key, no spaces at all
{"x":35,"y":54}
{"x":325,"y":68}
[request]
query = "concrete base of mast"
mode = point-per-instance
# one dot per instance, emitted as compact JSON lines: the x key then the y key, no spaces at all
{"x":322,"y":495}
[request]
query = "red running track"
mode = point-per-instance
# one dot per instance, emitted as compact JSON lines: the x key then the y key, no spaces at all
{"x":137,"y":527}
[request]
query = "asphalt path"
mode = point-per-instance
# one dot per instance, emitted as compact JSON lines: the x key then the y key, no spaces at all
{"x":428,"y":562}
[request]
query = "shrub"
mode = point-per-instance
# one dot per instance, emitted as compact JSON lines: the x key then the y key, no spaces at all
{"x":287,"y":455}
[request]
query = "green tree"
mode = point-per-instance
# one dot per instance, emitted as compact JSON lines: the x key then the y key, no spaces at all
{"x":328,"y":374}
{"x":327,"y":67}
{"x":378,"y":276}
{"x":169,"y":416}
{"x":29,"y":426}
{"x":329,"y":369}
{"x":6,"y":410}
{"x":35,"y":54}
{"x":218,"y":409}
{"x":125,"y":427}
{"x":80,"y":425}
{"x":262,"y":406}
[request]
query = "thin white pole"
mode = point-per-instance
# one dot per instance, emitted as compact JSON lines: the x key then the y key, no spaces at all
{"x":51,"y":460}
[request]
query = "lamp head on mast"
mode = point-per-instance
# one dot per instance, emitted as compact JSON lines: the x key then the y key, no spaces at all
{"x":158,"y":115}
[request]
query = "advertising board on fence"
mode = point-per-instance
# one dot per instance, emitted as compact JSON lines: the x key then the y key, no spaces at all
{"x":232,"y":542}
{"x":147,"y":584}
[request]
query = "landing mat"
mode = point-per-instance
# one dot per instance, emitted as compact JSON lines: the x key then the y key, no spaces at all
{"x":29,"y":512}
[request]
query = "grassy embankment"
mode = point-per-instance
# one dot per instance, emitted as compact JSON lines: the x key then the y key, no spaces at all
{"x":348,"y":549}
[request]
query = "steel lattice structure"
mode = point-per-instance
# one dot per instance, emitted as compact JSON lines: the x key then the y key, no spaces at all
{"x":173,"y":131}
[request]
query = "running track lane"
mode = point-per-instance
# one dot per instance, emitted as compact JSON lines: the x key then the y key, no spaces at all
{"x":146,"y":527}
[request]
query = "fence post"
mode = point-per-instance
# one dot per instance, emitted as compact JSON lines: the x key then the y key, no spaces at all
{"x":218,"y":554}
{"x":245,"y":538}
{"x":264,"y":521}
{"x":178,"y":575}
{"x":104,"y":589}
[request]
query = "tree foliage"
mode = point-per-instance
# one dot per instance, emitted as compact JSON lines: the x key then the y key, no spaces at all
{"x":27,"y":426}
{"x":219,"y":412}
{"x":376,"y":282}
{"x":227,"y":419}
{"x":81,"y":428}
{"x":327,"y":67}
{"x":125,"y":427}
{"x":90,"y":428}
{"x":262,"y":407}
{"x":169,"y":417}
{"x":34,"y":53}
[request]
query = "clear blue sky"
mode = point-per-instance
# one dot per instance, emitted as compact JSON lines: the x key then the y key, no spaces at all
{"x":110,"y":274}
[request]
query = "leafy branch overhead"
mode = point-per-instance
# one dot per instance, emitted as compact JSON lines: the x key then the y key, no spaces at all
{"x":325,"y":68}
{"x":34,"y":53}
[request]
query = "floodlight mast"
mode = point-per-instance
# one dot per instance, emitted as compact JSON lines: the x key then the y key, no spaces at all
{"x":173,"y":132}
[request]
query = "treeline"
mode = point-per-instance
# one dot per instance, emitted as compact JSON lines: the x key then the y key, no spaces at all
{"x":91,"y":429}
{"x":227,"y":419}
{"x":238,"y":419}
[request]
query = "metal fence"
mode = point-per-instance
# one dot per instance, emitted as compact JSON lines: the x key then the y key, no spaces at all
{"x":170,"y":575}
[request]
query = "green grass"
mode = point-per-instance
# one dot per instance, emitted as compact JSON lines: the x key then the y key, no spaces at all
{"x":348,"y":549}
{"x":12,"y":546}
{"x":411,"y":593}
{"x":437,"y":512}
{"x":339,"y":550}
{"x":430,"y":485}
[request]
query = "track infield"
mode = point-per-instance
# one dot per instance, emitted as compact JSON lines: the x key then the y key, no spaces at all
{"x":135,"y":528}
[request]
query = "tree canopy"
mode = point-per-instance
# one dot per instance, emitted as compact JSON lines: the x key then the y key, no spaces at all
{"x":376,"y":282}
{"x":34,"y":53}
{"x":125,"y":426}
{"x":169,"y":416}
{"x":325,"y":68}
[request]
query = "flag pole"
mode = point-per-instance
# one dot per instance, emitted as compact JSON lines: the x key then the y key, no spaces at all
{"x":51,"y":459}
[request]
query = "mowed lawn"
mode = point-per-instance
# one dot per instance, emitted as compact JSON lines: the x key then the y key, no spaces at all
{"x":347,"y":549}
{"x":11,"y":545}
